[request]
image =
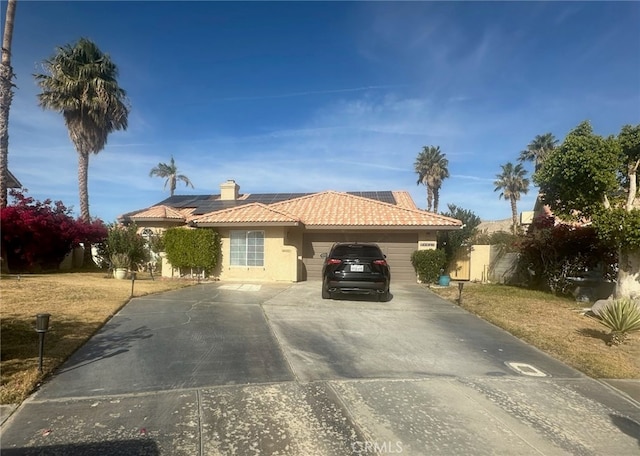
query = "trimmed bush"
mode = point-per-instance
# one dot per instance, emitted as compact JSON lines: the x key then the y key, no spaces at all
{"x":193,"y":248}
{"x":428,"y":264}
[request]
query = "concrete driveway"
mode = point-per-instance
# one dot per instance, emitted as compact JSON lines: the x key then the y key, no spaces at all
{"x":219,"y":369}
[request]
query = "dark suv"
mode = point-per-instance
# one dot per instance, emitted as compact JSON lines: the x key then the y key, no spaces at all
{"x":351,"y":267}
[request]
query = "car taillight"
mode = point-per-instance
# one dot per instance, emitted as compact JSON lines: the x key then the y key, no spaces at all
{"x":380,"y":262}
{"x":334,"y":261}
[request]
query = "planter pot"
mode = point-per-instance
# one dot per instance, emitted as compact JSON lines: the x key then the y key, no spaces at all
{"x":120,"y":273}
{"x":443,"y":280}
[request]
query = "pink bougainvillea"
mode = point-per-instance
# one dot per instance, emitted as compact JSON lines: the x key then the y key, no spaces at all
{"x":38,"y":234}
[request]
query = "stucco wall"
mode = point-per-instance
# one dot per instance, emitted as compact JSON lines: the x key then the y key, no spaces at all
{"x":427,"y":240}
{"x":294,"y":239}
{"x":280,"y":259}
{"x":480,"y":263}
{"x":485,"y":263}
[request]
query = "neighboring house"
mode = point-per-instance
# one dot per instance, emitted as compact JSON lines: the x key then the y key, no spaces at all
{"x":12,"y":181}
{"x":495,"y":226}
{"x":281,"y":236}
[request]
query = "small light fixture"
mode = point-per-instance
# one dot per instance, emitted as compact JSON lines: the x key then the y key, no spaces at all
{"x":42,"y":326}
{"x":42,"y":322}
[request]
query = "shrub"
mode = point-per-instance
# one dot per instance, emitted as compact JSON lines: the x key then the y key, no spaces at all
{"x":38,"y":234}
{"x":193,"y":248}
{"x":622,"y":316}
{"x":550,"y":253}
{"x":156,"y":243}
{"x":457,"y":242}
{"x":126,"y":240}
{"x":428,"y":264}
{"x":508,"y":242}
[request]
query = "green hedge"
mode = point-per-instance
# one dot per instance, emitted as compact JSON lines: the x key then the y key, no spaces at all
{"x":193,"y":248}
{"x":428,"y":264}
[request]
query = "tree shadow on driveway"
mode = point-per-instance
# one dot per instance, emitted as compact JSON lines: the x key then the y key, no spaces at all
{"x":107,"y":343}
{"x":626,"y":425}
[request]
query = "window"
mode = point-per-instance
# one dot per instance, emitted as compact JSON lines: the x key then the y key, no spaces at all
{"x":247,"y":248}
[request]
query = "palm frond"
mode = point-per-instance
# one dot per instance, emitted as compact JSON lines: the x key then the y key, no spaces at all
{"x":170,"y":172}
{"x":81,"y":83}
{"x":185,"y":179}
{"x":512,"y":181}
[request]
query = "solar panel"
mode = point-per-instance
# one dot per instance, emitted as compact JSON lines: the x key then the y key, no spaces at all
{"x":384,"y":197}
{"x":210,"y":203}
{"x":270,"y":198}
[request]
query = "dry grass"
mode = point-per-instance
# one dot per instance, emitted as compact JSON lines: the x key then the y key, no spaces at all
{"x":552,"y":324}
{"x":79,"y":304}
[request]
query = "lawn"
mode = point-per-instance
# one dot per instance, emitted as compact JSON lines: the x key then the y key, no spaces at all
{"x":79,"y":304}
{"x":554,"y":325}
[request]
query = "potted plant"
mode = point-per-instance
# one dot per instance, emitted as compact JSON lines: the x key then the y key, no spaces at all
{"x":443,"y":279}
{"x":120,"y":264}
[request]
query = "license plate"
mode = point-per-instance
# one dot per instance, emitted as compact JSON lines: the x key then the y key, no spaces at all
{"x":357,"y":268}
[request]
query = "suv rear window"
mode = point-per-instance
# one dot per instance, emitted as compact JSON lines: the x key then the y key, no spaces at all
{"x":357,"y":251}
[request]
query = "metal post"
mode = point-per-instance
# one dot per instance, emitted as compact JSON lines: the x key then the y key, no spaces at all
{"x":133,"y":281}
{"x":460,"y":286}
{"x":42,"y":326}
{"x":40,"y":351}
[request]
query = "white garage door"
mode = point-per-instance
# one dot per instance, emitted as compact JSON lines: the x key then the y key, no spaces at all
{"x":398,"y":248}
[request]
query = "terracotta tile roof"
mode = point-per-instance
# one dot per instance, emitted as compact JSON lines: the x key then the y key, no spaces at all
{"x":249,"y":213}
{"x":161,"y":212}
{"x":325,"y":209}
{"x":341,"y":209}
{"x":403,"y":199}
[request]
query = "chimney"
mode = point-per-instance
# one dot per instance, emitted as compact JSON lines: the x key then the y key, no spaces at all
{"x":229,"y":190}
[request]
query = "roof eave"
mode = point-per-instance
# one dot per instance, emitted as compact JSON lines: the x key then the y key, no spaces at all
{"x":241,"y":224}
{"x":140,"y":220}
{"x":384,"y":227}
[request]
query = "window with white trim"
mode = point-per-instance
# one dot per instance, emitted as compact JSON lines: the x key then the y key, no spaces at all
{"x":247,"y":248}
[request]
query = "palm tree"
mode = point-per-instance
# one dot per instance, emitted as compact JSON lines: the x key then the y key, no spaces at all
{"x":170,"y":172}
{"x":538,"y":149}
{"x":432,"y":168}
{"x":512,"y":182}
{"x":6,"y":96}
{"x":81,"y":85}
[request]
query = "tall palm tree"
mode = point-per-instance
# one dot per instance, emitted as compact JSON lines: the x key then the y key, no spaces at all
{"x":81,"y":84}
{"x":512,"y":182}
{"x":432,"y":168}
{"x":170,"y":172}
{"x":6,"y":96}
{"x":538,"y":149}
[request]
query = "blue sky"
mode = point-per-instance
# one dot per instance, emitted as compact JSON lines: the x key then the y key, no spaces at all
{"x":313,"y":96}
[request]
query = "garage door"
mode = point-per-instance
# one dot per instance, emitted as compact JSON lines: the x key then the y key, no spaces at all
{"x":398,"y":248}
